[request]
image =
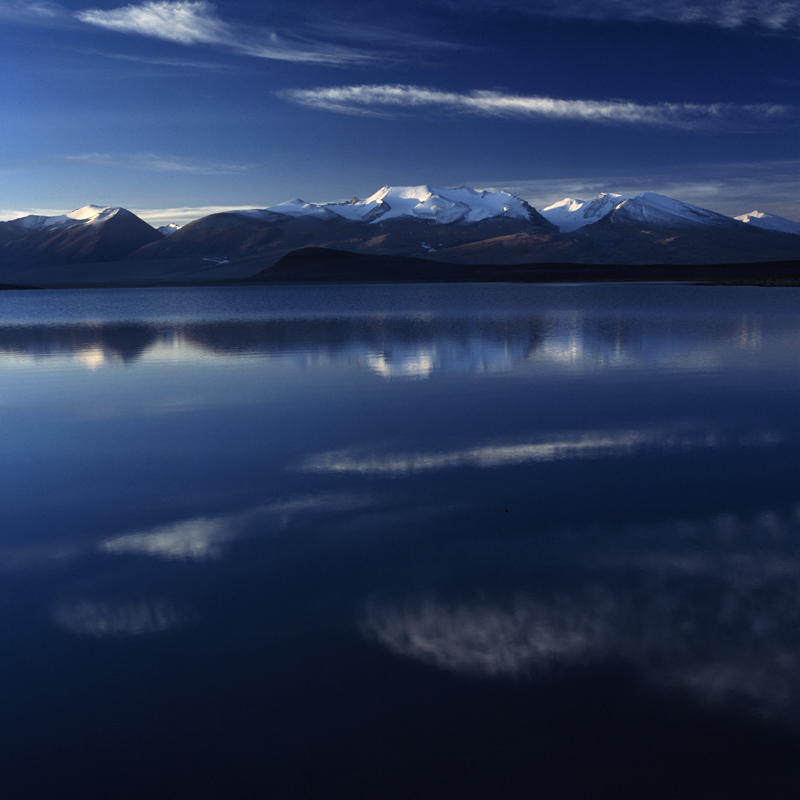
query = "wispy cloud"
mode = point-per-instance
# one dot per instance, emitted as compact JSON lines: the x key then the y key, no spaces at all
{"x":16,"y":11}
{"x":180,"y":215}
{"x":778,"y":16}
{"x":388,"y":99}
{"x":409,"y":37}
{"x":158,"y":163}
{"x":192,"y":22}
{"x":184,"y":63}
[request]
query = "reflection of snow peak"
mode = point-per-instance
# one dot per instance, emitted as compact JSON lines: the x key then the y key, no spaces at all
{"x":419,"y":365}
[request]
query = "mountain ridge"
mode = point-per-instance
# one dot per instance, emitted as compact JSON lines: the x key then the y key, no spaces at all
{"x":448,"y":226}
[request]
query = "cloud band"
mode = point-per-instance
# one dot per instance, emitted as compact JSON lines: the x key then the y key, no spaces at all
{"x":388,"y":99}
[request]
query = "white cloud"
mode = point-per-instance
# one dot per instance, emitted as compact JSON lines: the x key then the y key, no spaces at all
{"x":386,"y":99}
{"x":183,"y":214}
{"x":182,"y":21}
{"x":192,"y":22}
{"x":778,"y":16}
{"x":180,"y":63}
{"x":159,"y":163}
{"x":45,"y":13}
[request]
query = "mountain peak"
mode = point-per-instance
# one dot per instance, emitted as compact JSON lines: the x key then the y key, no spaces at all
{"x":651,"y":209}
{"x":442,"y":206}
{"x":770,"y":222}
{"x":569,"y":214}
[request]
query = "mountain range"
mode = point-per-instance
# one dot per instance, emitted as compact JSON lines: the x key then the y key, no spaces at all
{"x":459,"y":226}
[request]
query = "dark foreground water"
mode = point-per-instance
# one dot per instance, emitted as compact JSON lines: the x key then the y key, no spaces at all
{"x":400,"y":542}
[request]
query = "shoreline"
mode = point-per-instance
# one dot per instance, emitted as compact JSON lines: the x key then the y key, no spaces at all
{"x":315,"y":266}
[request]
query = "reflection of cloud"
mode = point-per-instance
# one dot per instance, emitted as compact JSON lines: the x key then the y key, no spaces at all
{"x":486,"y":639}
{"x":580,"y":445}
{"x":15,"y":559}
{"x":102,"y":620}
{"x":203,"y":537}
{"x":710,"y":607}
{"x":195,"y":538}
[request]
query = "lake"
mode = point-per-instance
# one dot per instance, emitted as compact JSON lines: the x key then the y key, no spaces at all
{"x":418,"y":541}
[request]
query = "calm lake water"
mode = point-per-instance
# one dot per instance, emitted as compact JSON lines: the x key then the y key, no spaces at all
{"x":400,"y":542}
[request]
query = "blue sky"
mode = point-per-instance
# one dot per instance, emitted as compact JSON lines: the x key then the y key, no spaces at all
{"x":177,"y":109}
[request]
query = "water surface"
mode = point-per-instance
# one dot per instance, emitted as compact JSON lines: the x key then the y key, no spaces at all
{"x":400,"y":542}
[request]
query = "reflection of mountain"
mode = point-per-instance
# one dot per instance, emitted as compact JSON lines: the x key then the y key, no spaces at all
{"x":420,"y":344}
{"x":114,"y":341}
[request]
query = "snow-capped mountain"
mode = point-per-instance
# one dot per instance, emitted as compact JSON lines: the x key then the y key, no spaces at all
{"x":457,"y":227}
{"x":648,"y":210}
{"x":424,"y":203}
{"x":398,"y":221}
{"x":91,"y":233}
{"x":770,"y":222}
{"x":88,"y":215}
{"x":299,"y":208}
{"x":169,"y":229}
{"x":569,"y":215}
{"x":657,"y":210}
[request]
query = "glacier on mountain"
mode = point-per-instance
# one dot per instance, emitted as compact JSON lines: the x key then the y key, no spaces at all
{"x":646,"y":209}
{"x":650,"y":208}
{"x":442,"y":206}
{"x":569,"y":215}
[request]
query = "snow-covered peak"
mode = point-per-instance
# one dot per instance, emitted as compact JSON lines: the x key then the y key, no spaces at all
{"x":92,"y":213}
{"x":32,"y":222}
{"x":659,"y":210}
{"x":300,"y":208}
{"x":419,"y":202}
{"x":770,"y":222}
{"x":442,"y":206}
{"x":570,"y":214}
{"x":87,"y":215}
{"x":257,"y":213}
{"x":169,"y":229}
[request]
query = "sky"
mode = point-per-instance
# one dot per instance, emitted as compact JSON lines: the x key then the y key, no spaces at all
{"x":178,"y":108}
